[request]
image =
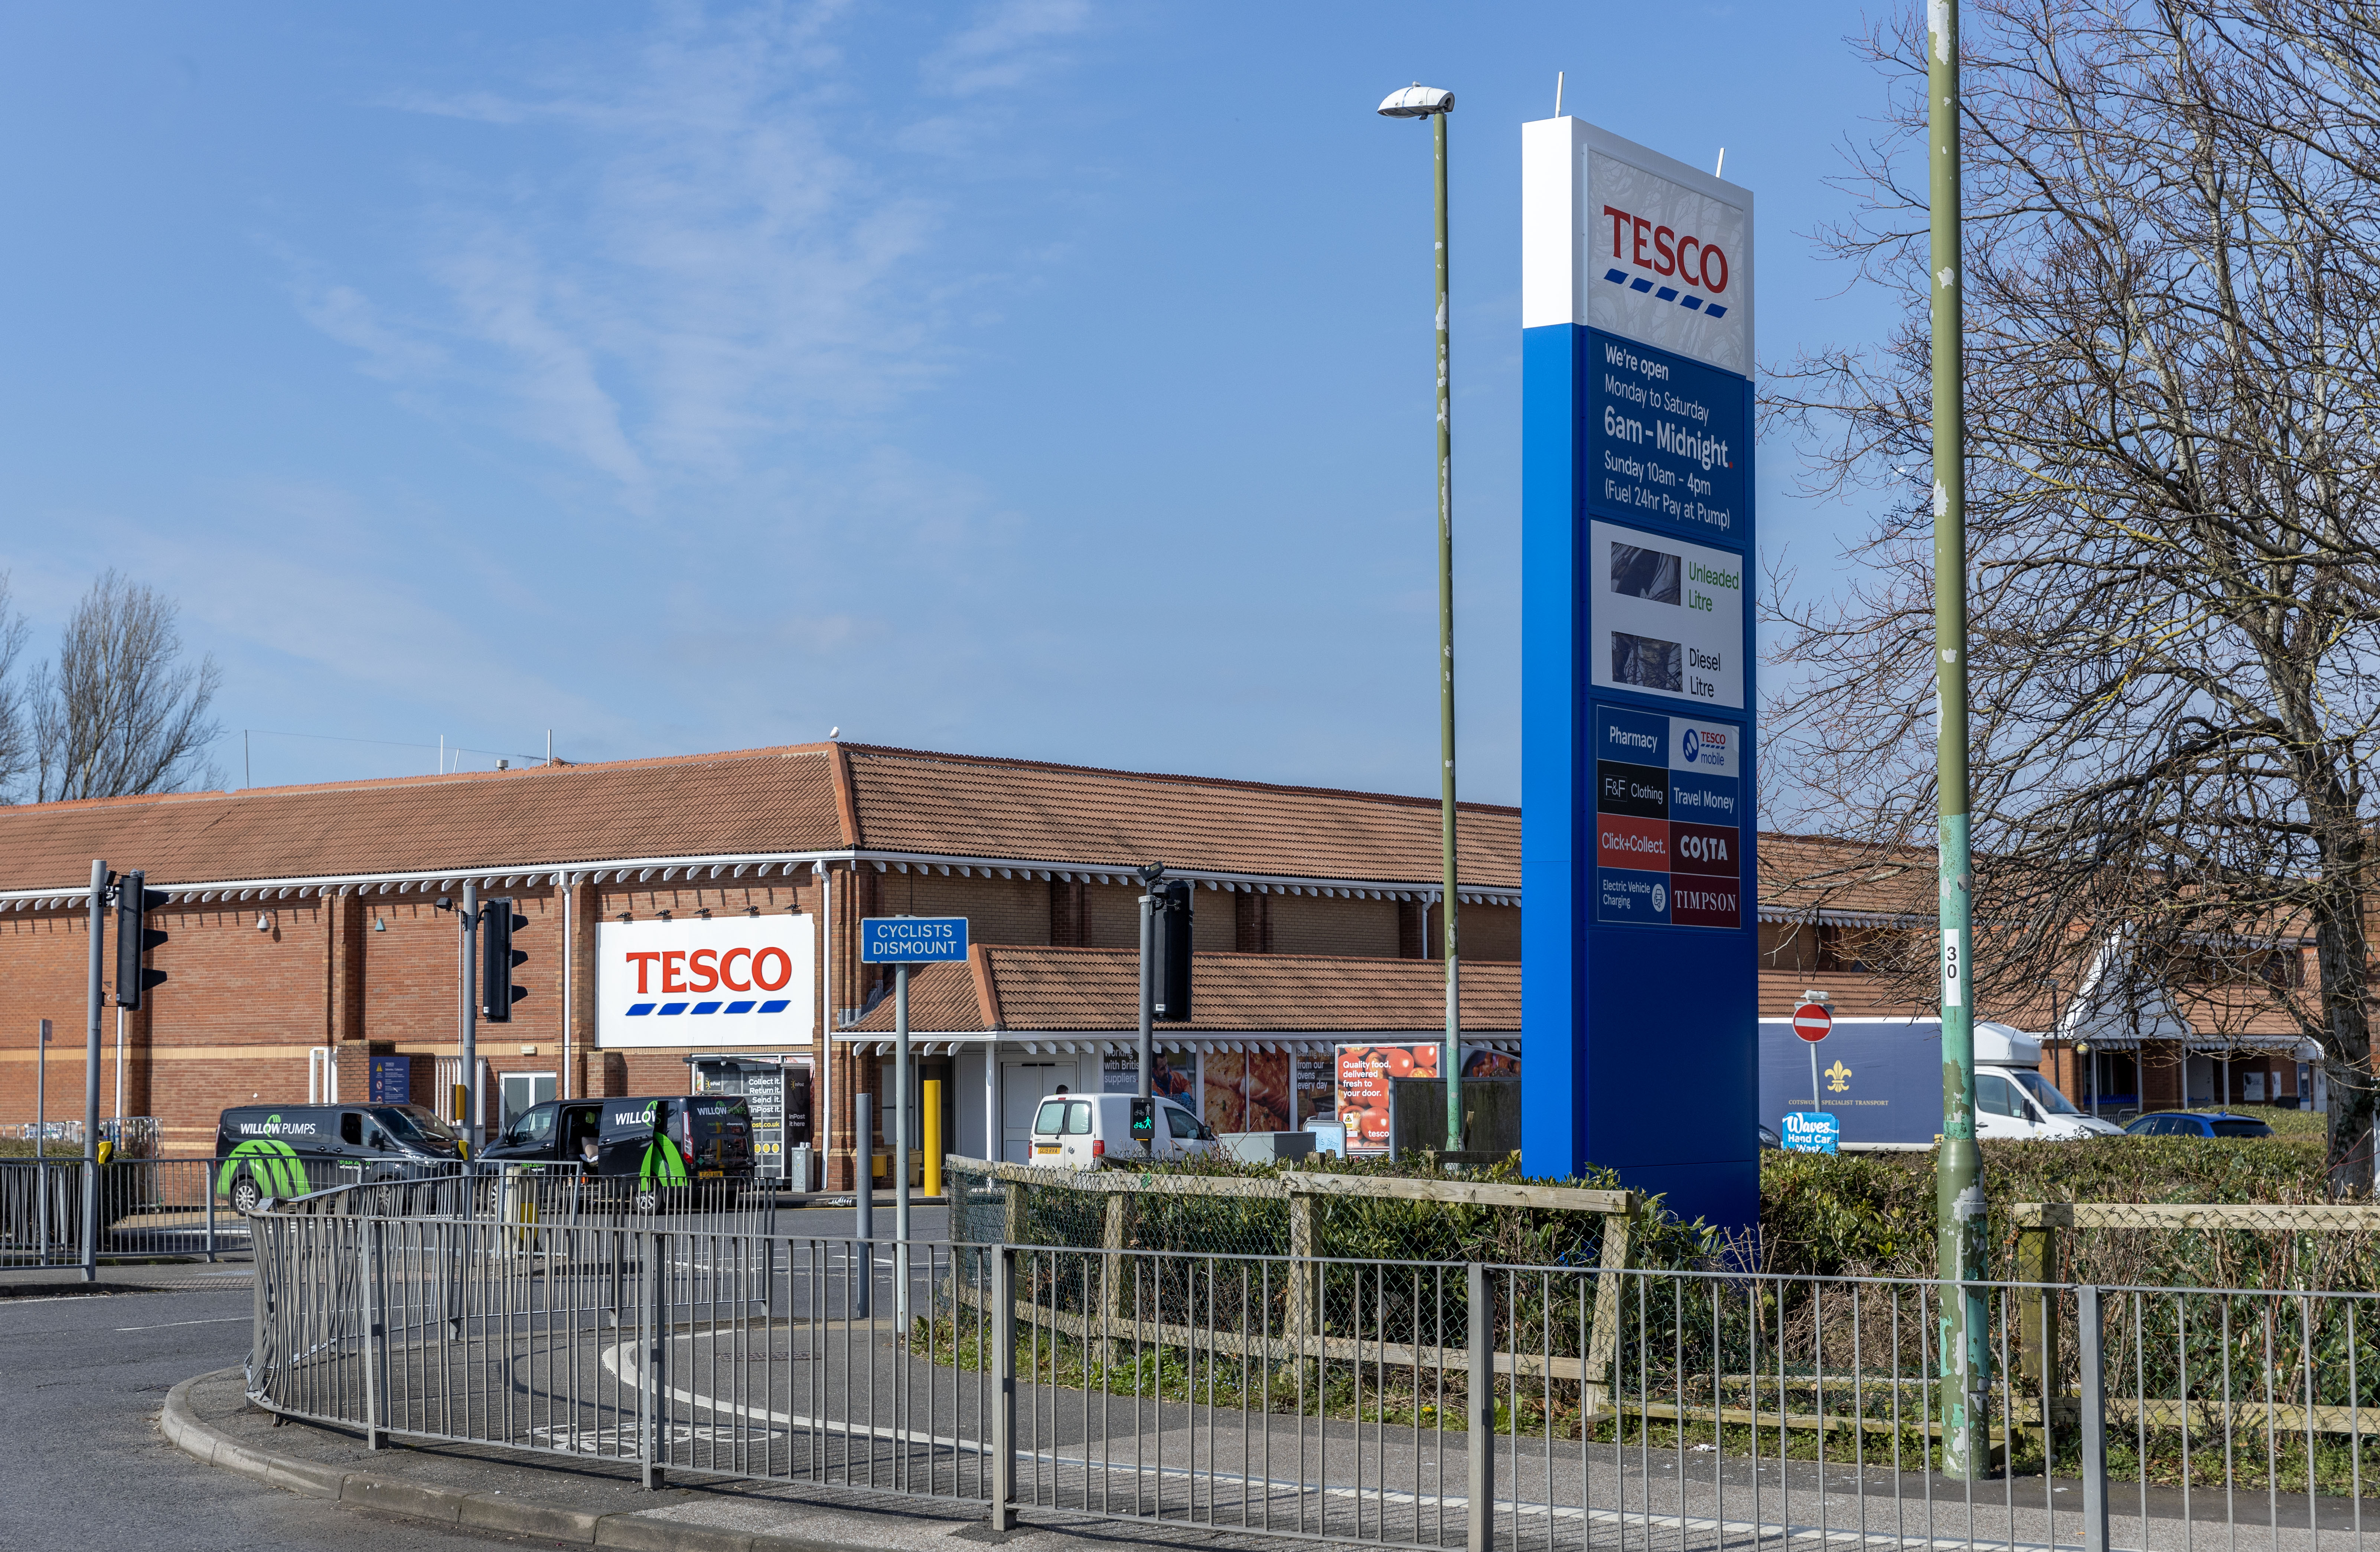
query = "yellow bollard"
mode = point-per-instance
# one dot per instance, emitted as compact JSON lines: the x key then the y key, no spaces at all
{"x":931,"y":1104}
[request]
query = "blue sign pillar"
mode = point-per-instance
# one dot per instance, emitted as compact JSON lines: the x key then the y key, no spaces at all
{"x":1640,"y":935}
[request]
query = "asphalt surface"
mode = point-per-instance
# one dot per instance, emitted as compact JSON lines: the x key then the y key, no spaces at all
{"x":87,"y":1466}
{"x":85,"y":1377}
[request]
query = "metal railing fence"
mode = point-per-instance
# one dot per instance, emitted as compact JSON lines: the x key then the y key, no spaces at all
{"x":1374,"y":1402}
{"x":149,"y":1209}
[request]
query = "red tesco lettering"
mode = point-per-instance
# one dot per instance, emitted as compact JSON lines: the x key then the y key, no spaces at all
{"x":1685,"y":256}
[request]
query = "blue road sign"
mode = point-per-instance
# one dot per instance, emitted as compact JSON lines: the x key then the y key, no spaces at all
{"x":1811,"y":1131}
{"x":912,"y":940}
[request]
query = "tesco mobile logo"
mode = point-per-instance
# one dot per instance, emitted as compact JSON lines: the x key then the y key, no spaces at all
{"x":1707,"y":745}
{"x":1693,"y":745}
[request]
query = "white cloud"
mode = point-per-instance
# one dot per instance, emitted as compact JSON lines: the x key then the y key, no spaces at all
{"x":681,"y":257}
{"x":1008,"y":46}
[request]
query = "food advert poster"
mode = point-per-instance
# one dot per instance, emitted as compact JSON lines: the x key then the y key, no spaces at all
{"x":1365,"y":1073}
{"x":1246,"y":1091}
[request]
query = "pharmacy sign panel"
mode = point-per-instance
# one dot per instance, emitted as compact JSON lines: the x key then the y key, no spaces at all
{"x":1638,"y":685}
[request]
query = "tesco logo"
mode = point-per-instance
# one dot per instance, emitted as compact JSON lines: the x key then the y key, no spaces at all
{"x":704,"y":969}
{"x":1703,"y":744}
{"x":1665,"y":253}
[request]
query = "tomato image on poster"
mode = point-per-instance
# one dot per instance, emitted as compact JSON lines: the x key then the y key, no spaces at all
{"x":1365,"y":1073}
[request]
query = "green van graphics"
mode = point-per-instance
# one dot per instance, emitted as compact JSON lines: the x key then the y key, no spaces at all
{"x":275,"y":1164}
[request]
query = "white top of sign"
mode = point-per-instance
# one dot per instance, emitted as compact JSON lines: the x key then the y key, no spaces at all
{"x":1623,"y":238}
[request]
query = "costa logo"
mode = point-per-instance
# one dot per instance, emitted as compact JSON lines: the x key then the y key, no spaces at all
{"x":1704,"y":848}
{"x":1666,"y":253}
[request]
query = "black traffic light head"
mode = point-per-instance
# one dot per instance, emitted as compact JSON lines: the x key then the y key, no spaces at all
{"x":1169,"y":951}
{"x":498,"y":958}
{"x":1144,"y":1120}
{"x":135,"y":937}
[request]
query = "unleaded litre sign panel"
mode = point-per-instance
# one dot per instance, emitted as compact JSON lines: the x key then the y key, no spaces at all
{"x":732,"y":980}
{"x":1639,"y":953}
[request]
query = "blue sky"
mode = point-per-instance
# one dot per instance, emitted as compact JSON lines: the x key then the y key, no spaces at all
{"x":1039,"y":378}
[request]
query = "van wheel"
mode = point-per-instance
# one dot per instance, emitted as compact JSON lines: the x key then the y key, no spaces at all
{"x":244,"y":1194}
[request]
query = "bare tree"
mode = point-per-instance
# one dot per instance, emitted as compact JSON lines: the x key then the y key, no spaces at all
{"x":2172,"y":290}
{"x":16,"y":725}
{"x":120,"y":714}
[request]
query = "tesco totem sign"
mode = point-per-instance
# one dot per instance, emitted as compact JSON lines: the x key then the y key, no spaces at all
{"x":734,"y":981}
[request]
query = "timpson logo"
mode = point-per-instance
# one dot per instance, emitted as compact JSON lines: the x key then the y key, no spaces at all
{"x":1690,"y":897}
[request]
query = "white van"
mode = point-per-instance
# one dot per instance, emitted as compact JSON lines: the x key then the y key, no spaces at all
{"x":2012,"y":1099}
{"x":1086,"y":1131}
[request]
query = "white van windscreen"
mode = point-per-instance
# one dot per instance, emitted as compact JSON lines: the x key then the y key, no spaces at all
{"x":2045,"y":1095}
{"x":1051,"y":1119}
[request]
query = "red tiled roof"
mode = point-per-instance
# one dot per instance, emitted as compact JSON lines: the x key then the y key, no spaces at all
{"x":959,"y":805}
{"x":1805,"y":875}
{"x":798,"y":798}
{"x":1046,"y":988}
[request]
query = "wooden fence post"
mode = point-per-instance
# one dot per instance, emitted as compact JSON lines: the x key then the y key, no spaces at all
{"x":1302,"y":1322}
{"x":1603,"y":1339}
{"x":2037,"y":1262}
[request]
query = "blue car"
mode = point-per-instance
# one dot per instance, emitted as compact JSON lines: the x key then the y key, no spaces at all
{"x":2182,"y":1123}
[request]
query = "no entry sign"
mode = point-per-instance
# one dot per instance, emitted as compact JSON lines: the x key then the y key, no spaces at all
{"x":1812,"y":1021}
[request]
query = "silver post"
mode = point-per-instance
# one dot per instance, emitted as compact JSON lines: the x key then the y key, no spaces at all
{"x":375,"y":1354}
{"x":1480,"y":1524}
{"x":1003,"y":1406}
{"x":863,"y":1201}
{"x":471,"y":1107}
{"x":900,"y":1145}
{"x":2094,"y":1420}
{"x":91,"y":1076}
{"x":652,"y":1316}
{"x":40,"y":1130}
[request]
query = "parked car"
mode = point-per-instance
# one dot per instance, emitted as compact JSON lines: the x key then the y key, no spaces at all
{"x":1769,"y":1141}
{"x":1083,"y":1131}
{"x":2184,"y":1123}
{"x":289,"y":1150}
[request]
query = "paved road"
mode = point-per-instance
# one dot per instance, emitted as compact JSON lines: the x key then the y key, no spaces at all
{"x":86,"y":1463}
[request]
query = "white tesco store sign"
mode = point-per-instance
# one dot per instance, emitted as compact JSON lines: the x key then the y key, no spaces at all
{"x":736,"y":981}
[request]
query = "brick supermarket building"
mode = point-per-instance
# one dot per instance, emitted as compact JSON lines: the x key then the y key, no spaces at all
{"x":688,"y":920}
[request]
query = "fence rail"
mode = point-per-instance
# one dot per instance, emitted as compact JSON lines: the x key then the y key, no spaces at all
{"x":149,"y":1209}
{"x":1372,"y":1402}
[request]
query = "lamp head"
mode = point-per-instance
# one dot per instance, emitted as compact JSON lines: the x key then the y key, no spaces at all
{"x":1416,"y":101}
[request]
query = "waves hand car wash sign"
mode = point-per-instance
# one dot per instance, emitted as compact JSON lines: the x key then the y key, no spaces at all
{"x":733,"y":981}
{"x":1639,"y":951}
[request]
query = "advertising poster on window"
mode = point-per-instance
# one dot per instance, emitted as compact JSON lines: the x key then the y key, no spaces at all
{"x":1172,"y":1075}
{"x":1366,"y":1072}
{"x":1246,"y":1091}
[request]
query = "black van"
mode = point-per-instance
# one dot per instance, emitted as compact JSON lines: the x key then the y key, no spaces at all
{"x":557,"y":1131}
{"x":289,"y":1150}
{"x":671,"y":1143}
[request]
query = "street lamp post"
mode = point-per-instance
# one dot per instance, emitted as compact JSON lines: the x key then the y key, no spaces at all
{"x":1960,"y":1252}
{"x":1435,"y":103}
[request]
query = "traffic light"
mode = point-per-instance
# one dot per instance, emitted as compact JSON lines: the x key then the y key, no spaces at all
{"x":135,"y":937}
{"x":1169,"y":970}
{"x":498,"y":958}
{"x":1144,"y":1120}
